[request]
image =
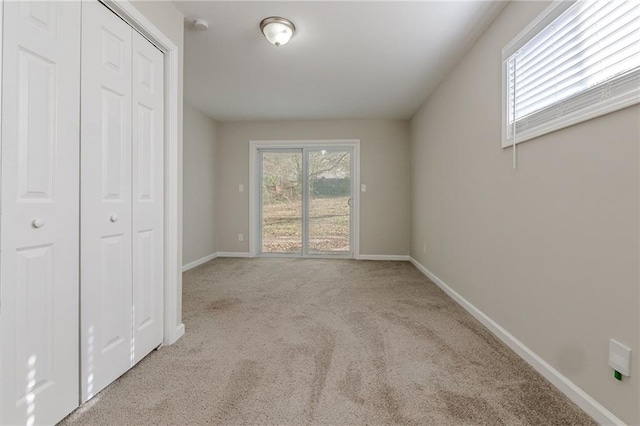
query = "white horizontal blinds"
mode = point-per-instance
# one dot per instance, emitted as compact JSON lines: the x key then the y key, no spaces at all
{"x":586,"y":56}
{"x":599,"y":41}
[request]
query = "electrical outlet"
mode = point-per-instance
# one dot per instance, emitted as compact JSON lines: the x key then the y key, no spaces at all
{"x":240,"y":237}
{"x":241,"y":188}
{"x":619,"y":358}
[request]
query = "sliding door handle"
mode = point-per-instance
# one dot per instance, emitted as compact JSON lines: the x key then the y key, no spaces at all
{"x":350,"y":202}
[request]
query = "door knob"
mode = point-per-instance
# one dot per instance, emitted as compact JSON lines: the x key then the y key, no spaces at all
{"x":114,"y":218}
{"x":37,"y":223}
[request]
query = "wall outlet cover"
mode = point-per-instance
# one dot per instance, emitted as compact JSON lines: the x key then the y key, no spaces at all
{"x":620,"y":357}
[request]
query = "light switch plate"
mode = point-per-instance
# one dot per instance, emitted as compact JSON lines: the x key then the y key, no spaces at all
{"x":363,"y":187}
{"x":241,"y":188}
{"x":619,"y":357}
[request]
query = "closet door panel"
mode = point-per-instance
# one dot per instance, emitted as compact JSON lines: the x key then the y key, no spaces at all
{"x":39,"y":224}
{"x":148,"y":160}
{"x":106,"y":210}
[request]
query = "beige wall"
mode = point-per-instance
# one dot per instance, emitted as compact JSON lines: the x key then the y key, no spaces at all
{"x":549,"y":251}
{"x":199,"y":189}
{"x":170,"y":21}
{"x":384,"y":163}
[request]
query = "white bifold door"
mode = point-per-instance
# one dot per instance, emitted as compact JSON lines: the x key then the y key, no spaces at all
{"x":121,"y":197}
{"x":81,"y":241}
{"x":39,"y":238}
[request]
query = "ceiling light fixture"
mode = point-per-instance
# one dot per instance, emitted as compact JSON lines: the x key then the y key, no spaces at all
{"x":277,"y":30}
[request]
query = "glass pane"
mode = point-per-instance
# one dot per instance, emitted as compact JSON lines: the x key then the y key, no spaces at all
{"x":329,"y":195}
{"x":282,"y":202}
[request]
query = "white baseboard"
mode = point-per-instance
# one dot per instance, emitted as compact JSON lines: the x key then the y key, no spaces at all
{"x":383,"y":257}
{"x":199,"y":262}
{"x":179,"y":331}
{"x":193,"y":264}
{"x":212,"y":256}
{"x":234,"y":254}
{"x":566,"y":386}
{"x":169,"y":339}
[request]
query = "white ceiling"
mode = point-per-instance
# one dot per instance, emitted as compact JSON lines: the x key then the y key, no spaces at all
{"x":347,"y":60}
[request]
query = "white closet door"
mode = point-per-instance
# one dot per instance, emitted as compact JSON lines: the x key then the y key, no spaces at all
{"x":39,"y":239}
{"x":148,"y":146}
{"x":106,"y":209}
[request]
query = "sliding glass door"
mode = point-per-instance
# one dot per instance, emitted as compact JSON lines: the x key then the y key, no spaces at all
{"x":328,"y":202}
{"x":282,"y":184}
{"x":306,"y":201}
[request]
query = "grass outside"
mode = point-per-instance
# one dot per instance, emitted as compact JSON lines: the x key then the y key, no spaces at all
{"x":328,"y":225}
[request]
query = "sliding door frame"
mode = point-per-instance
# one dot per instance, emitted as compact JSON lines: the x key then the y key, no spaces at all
{"x":255,"y":191}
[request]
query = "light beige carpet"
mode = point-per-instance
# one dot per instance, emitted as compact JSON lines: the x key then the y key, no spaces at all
{"x":302,"y":341}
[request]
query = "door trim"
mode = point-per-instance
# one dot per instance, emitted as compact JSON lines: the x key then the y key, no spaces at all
{"x":254,"y":184}
{"x":173,"y":326}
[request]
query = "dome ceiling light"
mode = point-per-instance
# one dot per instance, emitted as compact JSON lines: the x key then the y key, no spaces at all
{"x":277,"y":30}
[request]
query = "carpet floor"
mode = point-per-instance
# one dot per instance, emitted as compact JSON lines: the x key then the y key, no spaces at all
{"x":307,"y":341}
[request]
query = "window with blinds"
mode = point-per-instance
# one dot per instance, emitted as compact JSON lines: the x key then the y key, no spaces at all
{"x":578,"y":60}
